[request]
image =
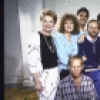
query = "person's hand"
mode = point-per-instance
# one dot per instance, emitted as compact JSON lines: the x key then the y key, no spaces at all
{"x":38,"y":86}
{"x":84,"y":58}
{"x":99,"y":67}
{"x":81,"y":39}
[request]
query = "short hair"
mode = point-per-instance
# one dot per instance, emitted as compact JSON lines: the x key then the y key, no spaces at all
{"x":48,"y":13}
{"x":75,"y":57}
{"x":90,"y":21}
{"x":73,"y":19}
{"x":83,"y":9}
{"x":98,"y":17}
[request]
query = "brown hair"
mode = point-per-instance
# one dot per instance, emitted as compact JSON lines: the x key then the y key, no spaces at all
{"x":49,"y":13}
{"x":83,"y":9}
{"x":73,"y":19}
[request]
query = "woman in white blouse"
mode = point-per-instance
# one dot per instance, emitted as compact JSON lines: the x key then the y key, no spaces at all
{"x":42,"y":58}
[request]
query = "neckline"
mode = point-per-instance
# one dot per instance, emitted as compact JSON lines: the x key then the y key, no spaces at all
{"x":75,"y":84}
{"x":43,"y":34}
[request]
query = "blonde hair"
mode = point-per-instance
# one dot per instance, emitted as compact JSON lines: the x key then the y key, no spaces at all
{"x":48,"y":13}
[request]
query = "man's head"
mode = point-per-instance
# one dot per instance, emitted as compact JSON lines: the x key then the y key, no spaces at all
{"x":98,"y":19}
{"x":82,"y":16}
{"x":93,"y":28}
{"x":75,"y":65}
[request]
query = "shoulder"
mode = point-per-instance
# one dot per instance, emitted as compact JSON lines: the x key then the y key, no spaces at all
{"x":65,"y":82}
{"x":84,"y":42}
{"x":98,"y":38}
{"x":87,"y":78}
{"x":58,"y":35}
{"x":33,"y":37}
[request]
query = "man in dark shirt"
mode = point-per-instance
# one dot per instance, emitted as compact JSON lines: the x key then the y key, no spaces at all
{"x":89,"y":49}
{"x":76,"y":86}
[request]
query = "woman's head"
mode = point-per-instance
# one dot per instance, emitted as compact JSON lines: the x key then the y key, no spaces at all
{"x":69,"y":24}
{"x":48,"y":19}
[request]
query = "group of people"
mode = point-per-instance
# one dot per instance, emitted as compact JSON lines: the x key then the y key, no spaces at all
{"x":66,"y":65}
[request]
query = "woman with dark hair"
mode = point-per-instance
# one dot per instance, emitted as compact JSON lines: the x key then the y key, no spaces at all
{"x":42,"y":58}
{"x":66,"y":42}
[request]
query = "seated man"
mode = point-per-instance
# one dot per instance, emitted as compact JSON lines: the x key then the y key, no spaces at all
{"x":89,"y":49}
{"x":76,"y":86}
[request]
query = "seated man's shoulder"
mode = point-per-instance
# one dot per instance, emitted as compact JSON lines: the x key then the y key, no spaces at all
{"x":87,"y":78}
{"x":65,"y":81}
{"x":58,"y":35}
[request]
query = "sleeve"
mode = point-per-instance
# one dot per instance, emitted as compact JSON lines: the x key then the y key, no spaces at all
{"x":59,"y":93}
{"x":97,"y":55}
{"x":81,"y":33}
{"x":75,"y":46}
{"x":81,"y":49}
{"x":32,"y":55}
{"x":61,"y":52}
{"x":92,"y":91}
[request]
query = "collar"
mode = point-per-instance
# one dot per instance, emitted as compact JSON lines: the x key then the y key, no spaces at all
{"x":99,"y":34}
{"x":90,"y":39}
{"x":82,"y":77}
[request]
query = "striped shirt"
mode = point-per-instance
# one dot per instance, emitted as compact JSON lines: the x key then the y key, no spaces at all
{"x":67,"y":90}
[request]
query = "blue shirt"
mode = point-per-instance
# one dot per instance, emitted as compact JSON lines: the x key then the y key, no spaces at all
{"x":65,"y":49}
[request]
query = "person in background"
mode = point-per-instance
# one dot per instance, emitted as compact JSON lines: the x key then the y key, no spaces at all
{"x":66,"y":42}
{"x":76,"y":86}
{"x":42,"y":57}
{"x":89,"y":50}
{"x":98,"y":19}
{"x":82,"y":17}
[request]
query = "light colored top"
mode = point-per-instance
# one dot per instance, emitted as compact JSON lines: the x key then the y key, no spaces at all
{"x":99,"y":34}
{"x":33,"y":54}
{"x":65,"y":49}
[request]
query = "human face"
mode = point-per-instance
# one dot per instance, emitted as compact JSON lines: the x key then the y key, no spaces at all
{"x":68,"y":26}
{"x":93,"y":29}
{"x":47,"y":23}
{"x":82,"y":18}
{"x":75,"y":67}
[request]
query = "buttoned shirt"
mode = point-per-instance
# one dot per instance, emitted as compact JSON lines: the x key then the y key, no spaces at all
{"x":67,"y":90}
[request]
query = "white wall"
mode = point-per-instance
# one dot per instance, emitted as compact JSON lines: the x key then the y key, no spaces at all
{"x":71,"y":6}
{"x":29,"y":12}
{"x":12,"y":47}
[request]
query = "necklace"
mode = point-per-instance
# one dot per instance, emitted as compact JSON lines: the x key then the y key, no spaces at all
{"x":51,"y":48}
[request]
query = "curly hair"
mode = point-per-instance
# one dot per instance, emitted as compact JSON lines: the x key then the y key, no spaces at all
{"x":73,"y":19}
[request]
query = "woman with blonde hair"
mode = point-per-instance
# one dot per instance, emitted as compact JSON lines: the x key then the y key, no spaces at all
{"x":42,"y":57}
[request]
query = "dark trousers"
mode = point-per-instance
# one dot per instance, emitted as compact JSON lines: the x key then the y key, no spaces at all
{"x":64,"y":73}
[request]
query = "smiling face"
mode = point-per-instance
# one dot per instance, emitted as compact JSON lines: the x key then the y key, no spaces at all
{"x":82,"y":18}
{"x":75,"y":67}
{"x":47,"y":23}
{"x":93,"y":28}
{"x":68,"y":25}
